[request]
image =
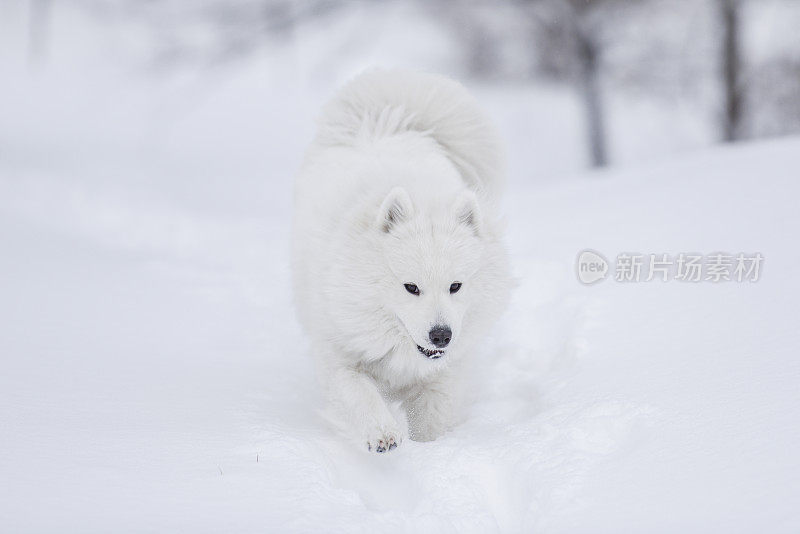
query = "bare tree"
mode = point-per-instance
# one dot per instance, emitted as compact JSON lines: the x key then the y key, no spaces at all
{"x":563,"y":38}
{"x":587,"y":50}
{"x":731,"y":70}
{"x":571,"y":34}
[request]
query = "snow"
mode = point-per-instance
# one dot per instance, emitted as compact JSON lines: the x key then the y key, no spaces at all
{"x":154,"y":377}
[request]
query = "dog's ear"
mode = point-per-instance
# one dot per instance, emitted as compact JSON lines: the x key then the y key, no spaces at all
{"x":396,"y":208}
{"x":467,"y":212}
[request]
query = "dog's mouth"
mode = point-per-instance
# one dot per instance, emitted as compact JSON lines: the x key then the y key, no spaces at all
{"x":430,"y":354}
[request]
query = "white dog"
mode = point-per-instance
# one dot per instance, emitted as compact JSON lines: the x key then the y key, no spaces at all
{"x":398,"y":266}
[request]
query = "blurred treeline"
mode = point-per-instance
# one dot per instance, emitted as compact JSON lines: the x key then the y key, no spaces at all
{"x":740,"y":59}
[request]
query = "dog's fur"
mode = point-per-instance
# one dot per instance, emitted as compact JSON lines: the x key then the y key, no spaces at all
{"x":399,"y":187}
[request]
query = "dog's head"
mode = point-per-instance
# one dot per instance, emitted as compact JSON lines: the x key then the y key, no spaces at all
{"x":432,"y":257}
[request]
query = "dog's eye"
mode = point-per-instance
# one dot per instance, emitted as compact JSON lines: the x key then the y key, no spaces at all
{"x":411,"y":288}
{"x":455,"y":286}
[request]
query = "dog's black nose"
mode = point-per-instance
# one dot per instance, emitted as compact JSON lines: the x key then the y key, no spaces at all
{"x":440,"y":335}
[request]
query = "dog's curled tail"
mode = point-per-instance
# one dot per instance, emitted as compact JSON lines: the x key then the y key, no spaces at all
{"x":380,"y":103}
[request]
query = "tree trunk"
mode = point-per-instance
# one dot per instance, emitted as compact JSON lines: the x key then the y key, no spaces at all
{"x":593,"y":103}
{"x":731,"y":68}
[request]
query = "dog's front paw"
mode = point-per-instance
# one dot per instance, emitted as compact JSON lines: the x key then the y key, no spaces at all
{"x":429,"y":416}
{"x":383,"y":441}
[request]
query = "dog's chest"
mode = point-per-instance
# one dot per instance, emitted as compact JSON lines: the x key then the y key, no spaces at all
{"x":399,"y":372}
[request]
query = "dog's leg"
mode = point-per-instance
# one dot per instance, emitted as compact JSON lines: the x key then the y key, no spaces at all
{"x":430,"y":410}
{"x":358,"y":403}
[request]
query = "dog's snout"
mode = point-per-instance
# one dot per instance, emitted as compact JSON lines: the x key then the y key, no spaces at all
{"x":440,"y":335}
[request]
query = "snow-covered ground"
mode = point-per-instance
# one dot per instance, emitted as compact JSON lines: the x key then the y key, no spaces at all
{"x":153,"y":378}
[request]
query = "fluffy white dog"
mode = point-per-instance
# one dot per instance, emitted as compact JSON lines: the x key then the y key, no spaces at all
{"x":399,"y":269}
